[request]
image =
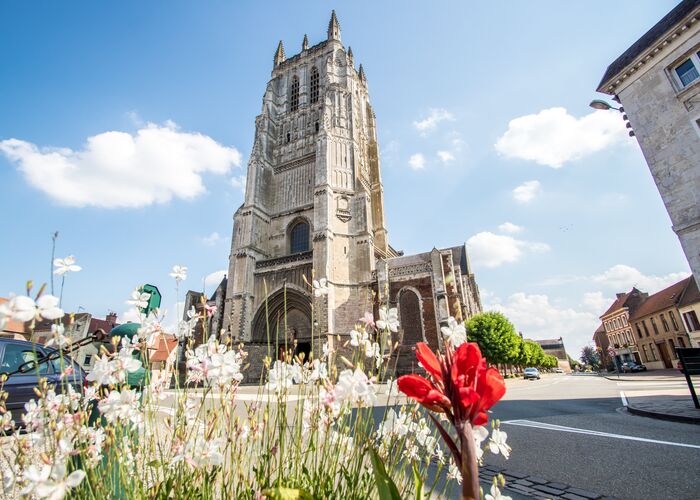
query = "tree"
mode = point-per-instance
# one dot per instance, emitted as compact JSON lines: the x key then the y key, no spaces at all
{"x":531,"y":354}
{"x":589,"y":356}
{"x":496,"y":336}
{"x":572,"y":362}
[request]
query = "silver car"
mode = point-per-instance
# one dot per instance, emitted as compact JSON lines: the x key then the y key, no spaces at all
{"x":532,"y":373}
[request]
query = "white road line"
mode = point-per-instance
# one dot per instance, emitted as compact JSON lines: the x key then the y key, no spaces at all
{"x":657,"y":384}
{"x":574,"y":430}
{"x":623,"y":398}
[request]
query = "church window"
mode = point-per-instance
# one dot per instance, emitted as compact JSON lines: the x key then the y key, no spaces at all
{"x":299,"y":238}
{"x":289,"y":137}
{"x":313,"y":87}
{"x":317,"y":126}
{"x":294,"y":94}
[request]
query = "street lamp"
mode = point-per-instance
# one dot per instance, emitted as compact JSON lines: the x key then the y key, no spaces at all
{"x":602,"y":105}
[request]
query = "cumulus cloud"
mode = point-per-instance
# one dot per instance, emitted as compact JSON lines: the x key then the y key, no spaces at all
{"x":417,"y":161}
{"x":510,"y":228}
{"x":527,"y":191}
{"x":445,"y":156}
{"x":596,"y":302}
{"x":537,"y":318}
{"x":211,"y":240}
{"x":213,"y":279}
{"x":622,"y":278}
{"x":493,"y":250}
{"x":435,"y":116}
{"x":553,"y":137}
{"x":238,"y":181}
{"x":124,"y":170}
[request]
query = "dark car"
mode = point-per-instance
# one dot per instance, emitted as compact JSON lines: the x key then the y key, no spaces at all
{"x":20,"y":387}
{"x":633,"y":367}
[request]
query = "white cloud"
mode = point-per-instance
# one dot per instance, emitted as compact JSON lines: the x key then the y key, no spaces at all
{"x":211,"y":240}
{"x":622,"y":278}
{"x":213,"y":279}
{"x":492,"y":250}
{"x":238,"y":181}
{"x":445,"y":156}
{"x":596,"y":302}
{"x":553,"y":137}
{"x":123,"y":170}
{"x":510,"y":228}
{"x":527,"y":191}
{"x":537,"y":318}
{"x":417,"y":161}
{"x":435,"y":116}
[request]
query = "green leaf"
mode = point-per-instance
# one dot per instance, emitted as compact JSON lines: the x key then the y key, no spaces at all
{"x":282,"y":493}
{"x":385,"y":486}
{"x":418,"y":481}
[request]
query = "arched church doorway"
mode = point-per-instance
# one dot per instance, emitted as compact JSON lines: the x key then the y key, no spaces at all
{"x":287,"y":317}
{"x":410,"y":317}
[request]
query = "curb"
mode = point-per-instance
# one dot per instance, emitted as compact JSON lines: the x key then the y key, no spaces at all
{"x":624,"y":379}
{"x":663,"y":416}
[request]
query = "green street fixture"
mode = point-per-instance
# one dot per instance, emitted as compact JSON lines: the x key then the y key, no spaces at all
{"x":604,"y":106}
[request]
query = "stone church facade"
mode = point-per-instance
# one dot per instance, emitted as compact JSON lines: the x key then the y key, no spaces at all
{"x":314,"y":208}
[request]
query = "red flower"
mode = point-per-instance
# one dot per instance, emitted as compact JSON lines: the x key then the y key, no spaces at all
{"x":423,"y":391}
{"x":429,"y":361}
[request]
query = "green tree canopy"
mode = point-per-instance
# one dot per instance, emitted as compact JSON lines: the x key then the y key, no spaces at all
{"x":496,"y":336}
{"x":589,"y":356}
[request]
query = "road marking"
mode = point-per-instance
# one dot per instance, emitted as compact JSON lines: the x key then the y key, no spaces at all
{"x":623,"y":398}
{"x":574,"y":430}
{"x":655,"y":384}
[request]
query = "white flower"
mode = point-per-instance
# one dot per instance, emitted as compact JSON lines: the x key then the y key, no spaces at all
{"x":497,"y":443}
{"x":51,"y":482}
{"x":320,"y":287}
{"x":354,"y":387}
{"x":357,"y":337}
{"x":58,"y":338}
{"x":495,"y":494}
{"x":139,"y":299}
{"x":388,"y":319}
{"x":372,"y":350}
{"x":214,"y":363}
{"x":102,"y":371}
{"x":179,"y":273}
{"x":280,"y":377}
{"x":150,"y":329}
{"x":326,"y":350}
{"x":454,"y":332}
{"x":320,"y":371}
{"x":21,"y":308}
{"x":47,"y":306}
{"x":121,"y":407}
{"x":65,"y":265}
{"x":394,"y":425}
{"x":392,"y":388}
{"x":480,"y":434}
{"x":187,"y":327}
{"x":454,"y":473}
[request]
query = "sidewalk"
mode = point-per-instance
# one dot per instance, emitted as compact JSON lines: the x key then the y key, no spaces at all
{"x":675,"y":408}
{"x":665,"y":375}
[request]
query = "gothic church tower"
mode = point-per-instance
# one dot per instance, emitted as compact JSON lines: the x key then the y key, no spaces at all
{"x":313,"y":200}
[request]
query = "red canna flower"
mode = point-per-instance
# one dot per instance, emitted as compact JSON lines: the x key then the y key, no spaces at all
{"x":423,"y":391}
{"x":463,"y":387}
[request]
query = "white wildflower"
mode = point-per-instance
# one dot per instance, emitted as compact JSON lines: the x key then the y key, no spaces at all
{"x":358,"y":337}
{"x":497,"y":443}
{"x":280,"y":377}
{"x":48,"y":481}
{"x":388,"y":319}
{"x":179,"y":273}
{"x":121,"y":407}
{"x":320,"y":287}
{"x":455,"y":333}
{"x":57,"y":331}
{"x":65,"y":265}
{"x":47,"y":307}
{"x":354,"y":387}
{"x":394,"y":425}
{"x":139,"y":299}
{"x":454,"y":473}
{"x":102,"y":371}
{"x":480,"y":434}
{"x":495,"y":494}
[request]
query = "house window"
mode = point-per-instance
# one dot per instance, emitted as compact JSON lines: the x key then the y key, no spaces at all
{"x":653,"y":352}
{"x":664,"y":322}
{"x":294,"y":94}
{"x":646,"y":354}
{"x":646,"y":330}
{"x":299,"y":238}
{"x":313,"y":88}
{"x":680,"y":342}
{"x":673,"y":348}
{"x":88,"y":360}
{"x":653,"y":325}
{"x":691,"y":321}
{"x":673,"y":320}
{"x":687,"y":71}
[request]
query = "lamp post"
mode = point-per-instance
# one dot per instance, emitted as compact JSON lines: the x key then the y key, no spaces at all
{"x":605,"y":106}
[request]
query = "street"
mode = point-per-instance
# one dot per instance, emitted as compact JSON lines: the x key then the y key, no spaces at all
{"x":573,"y":429}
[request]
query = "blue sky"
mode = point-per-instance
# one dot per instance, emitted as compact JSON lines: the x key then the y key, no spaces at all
{"x":446,"y":81}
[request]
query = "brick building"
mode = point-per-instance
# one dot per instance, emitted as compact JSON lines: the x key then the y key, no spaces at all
{"x":555,"y":347}
{"x":616,"y":322}
{"x":314,"y":208}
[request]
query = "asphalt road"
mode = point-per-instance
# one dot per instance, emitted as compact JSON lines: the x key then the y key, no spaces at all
{"x":574,"y":430}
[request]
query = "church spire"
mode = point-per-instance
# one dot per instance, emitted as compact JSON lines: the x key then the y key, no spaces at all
{"x":350,"y":52}
{"x":363,"y":77}
{"x":333,"y":28}
{"x":279,"y":55}
{"x":305,"y":43}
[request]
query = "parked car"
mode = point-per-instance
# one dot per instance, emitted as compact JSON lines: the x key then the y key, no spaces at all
{"x":558,"y":370}
{"x":631,"y":367}
{"x":531,"y":373}
{"x":20,"y":387}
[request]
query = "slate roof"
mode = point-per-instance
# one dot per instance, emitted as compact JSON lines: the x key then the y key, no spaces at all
{"x":690,"y":295}
{"x":618,"y":304}
{"x":459,"y":259}
{"x":666,"y":23}
{"x":668,"y":297}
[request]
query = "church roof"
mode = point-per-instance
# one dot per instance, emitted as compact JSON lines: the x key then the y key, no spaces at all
{"x":459,"y":259}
